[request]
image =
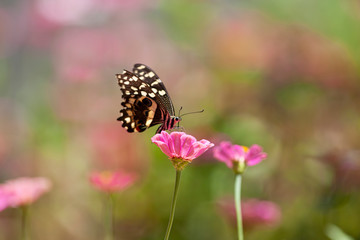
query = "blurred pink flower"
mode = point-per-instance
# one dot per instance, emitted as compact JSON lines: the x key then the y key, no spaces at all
{"x":124,"y":5}
{"x":41,"y":31}
{"x":83,"y":11}
{"x":230,"y":154}
{"x":254,"y":212}
{"x":240,"y":41}
{"x":67,"y":11}
{"x":81,"y":54}
{"x":308,"y":56}
{"x":5,"y":198}
{"x":24,"y":191}
{"x":179,"y":145}
{"x":112,"y":181}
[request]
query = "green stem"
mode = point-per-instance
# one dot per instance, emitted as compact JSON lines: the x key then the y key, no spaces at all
{"x":173,"y":204}
{"x":238,"y":206}
{"x":24,"y":222}
{"x":109,"y":217}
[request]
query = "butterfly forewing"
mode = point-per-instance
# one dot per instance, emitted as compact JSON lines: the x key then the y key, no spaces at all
{"x":147,"y":75}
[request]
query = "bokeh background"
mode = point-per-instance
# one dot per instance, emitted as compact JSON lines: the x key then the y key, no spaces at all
{"x":281,"y":74}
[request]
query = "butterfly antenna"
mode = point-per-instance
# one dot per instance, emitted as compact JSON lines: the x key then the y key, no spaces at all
{"x":180,"y":110}
{"x":192,"y":113}
{"x":178,"y":124}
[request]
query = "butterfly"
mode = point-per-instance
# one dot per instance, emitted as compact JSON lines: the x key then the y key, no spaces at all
{"x":146,"y":101}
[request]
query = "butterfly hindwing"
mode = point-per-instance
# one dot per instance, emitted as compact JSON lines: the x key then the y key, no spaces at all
{"x":139,"y":103}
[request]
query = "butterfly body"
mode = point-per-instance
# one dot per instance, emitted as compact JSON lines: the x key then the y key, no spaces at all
{"x":146,"y":101}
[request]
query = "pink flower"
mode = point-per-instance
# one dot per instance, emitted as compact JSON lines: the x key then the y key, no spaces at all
{"x":24,"y":191}
{"x":254,"y":212}
{"x":233,"y":155}
{"x":4,"y":199}
{"x":179,"y":145}
{"x":112,"y":181}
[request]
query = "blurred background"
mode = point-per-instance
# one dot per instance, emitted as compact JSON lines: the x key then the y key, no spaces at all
{"x":281,"y":74}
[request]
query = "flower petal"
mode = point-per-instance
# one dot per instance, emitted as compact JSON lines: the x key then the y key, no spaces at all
{"x":5,"y":198}
{"x":186,"y":147}
{"x":176,"y":143}
{"x":112,"y":181}
{"x":24,"y":190}
{"x":162,"y":140}
{"x":199,"y":148}
{"x":159,"y":138}
{"x":165,"y":149}
{"x":169,"y":141}
{"x":238,"y":152}
{"x":224,"y":153}
{"x":255,"y":155}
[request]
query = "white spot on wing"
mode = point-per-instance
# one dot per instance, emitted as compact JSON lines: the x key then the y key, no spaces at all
{"x":152,"y":95}
{"x":151,"y":74}
{"x":143,"y":93}
{"x":148,"y":122}
{"x":141,"y":67}
{"x":156,"y":82}
{"x":127,"y":119}
{"x":162,"y":92}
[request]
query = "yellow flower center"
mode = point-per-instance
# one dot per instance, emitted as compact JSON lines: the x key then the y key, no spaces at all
{"x":106,"y":177}
{"x":246,"y":149}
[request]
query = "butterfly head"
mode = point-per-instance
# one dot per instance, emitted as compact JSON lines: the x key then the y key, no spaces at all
{"x":176,"y":120}
{"x":173,"y":121}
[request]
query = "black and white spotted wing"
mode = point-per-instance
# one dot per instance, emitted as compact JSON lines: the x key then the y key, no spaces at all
{"x":146,"y":101}
{"x":147,"y":75}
